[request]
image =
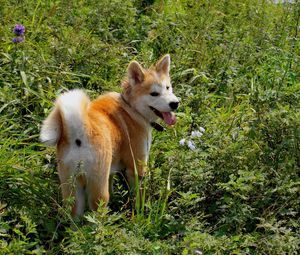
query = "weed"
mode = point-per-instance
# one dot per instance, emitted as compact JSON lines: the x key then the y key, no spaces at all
{"x":232,"y":190}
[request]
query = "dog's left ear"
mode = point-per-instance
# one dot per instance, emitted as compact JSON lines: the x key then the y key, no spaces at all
{"x":163,"y":65}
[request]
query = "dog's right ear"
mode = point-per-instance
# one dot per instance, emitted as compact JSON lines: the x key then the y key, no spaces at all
{"x":135,"y":73}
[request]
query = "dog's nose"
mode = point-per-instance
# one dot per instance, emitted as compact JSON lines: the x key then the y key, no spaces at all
{"x":174,"y":105}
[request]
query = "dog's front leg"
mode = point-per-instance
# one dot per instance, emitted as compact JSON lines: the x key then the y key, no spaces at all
{"x":135,"y":177}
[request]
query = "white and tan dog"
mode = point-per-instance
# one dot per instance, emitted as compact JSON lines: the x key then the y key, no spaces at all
{"x":113,"y":132}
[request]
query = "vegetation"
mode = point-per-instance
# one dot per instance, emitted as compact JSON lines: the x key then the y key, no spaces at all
{"x":224,"y":180}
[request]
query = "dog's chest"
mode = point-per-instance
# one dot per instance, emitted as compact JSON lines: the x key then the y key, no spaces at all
{"x":143,"y":154}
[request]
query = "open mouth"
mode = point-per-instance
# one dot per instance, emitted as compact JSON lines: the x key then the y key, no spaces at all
{"x":168,"y":117}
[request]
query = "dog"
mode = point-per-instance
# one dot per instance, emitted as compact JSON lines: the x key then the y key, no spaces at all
{"x":97,"y":138}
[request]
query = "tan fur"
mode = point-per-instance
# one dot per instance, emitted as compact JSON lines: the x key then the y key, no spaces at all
{"x":116,"y":133}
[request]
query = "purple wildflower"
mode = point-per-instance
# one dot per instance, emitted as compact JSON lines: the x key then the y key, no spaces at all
{"x":18,"y":39}
{"x":19,"y":30}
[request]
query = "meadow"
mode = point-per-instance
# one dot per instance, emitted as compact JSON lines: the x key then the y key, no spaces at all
{"x":223,"y":180}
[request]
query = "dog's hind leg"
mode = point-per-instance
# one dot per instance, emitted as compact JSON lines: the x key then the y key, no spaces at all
{"x":72,"y":187}
{"x":98,"y":181}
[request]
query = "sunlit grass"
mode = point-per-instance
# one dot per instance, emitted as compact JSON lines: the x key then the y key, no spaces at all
{"x":224,"y":180}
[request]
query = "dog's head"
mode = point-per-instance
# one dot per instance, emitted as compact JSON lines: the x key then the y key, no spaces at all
{"x":149,"y":91}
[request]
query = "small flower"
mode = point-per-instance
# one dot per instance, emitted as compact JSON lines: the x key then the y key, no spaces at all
{"x":201,"y":129}
{"x":18,"y":39}
{"x":19,"y":30}
{"x":182,"y":141}
{"x":191,"y":145}
{"x":196,"y":134}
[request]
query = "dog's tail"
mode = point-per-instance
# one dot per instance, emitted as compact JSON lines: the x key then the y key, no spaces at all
{"x":66,"y":119}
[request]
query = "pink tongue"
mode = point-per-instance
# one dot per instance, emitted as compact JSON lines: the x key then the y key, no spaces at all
{"x":169,"y":118}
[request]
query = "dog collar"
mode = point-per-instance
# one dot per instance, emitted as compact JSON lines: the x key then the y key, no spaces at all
{"x":155,"y":125}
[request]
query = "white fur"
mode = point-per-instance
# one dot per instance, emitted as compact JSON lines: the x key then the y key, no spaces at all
{"x":72,"y":106}
{"x":69,"y":107}
{"x":80,"y":200}
{"x":51,"y":130}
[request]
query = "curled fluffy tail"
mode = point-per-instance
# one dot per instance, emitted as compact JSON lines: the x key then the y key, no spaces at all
{"x":67,"y":118}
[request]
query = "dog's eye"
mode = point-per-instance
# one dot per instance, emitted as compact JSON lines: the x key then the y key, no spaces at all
{"x":168,"y":87}
{"x":154,"y":94}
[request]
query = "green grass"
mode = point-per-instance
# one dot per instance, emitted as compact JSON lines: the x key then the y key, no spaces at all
{"x":235,"y":66}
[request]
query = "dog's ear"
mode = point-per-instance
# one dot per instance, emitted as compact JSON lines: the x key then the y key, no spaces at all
{"x":135,"y":73}
{"x":163,"y":65}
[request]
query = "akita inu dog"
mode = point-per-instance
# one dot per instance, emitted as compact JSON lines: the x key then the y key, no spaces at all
{"x":113,"y":132}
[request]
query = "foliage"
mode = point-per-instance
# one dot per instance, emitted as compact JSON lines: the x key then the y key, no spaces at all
{"x":233,"y":189}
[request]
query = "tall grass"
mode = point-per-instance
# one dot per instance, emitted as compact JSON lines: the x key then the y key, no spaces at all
{"x":231,"y":190}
